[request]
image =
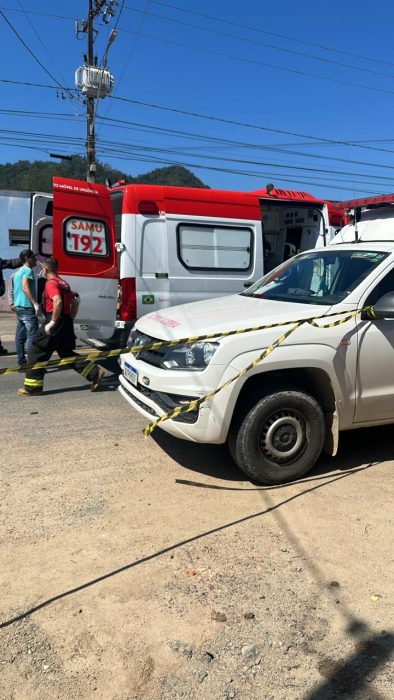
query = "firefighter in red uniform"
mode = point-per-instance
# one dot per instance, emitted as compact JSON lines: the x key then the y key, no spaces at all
{"x":56,"y":333}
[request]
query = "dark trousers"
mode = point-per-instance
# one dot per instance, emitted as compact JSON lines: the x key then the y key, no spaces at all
{"x":61,"y":340}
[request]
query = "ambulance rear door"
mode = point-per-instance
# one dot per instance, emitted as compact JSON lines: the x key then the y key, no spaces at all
{"x":84,"y":246}
{"x":41,"y":224}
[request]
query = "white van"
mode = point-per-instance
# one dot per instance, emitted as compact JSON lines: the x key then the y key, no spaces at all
{"x":132,"y":249}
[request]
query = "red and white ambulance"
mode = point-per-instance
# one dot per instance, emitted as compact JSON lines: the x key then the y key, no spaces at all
{"x":133,"y":249}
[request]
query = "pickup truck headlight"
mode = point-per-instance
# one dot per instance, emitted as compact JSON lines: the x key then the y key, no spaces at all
{"x":195,"y":356}
{"x":137,"y":338}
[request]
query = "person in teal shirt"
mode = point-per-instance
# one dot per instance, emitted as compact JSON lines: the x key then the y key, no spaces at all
{"x":25,"y":304}
{"x":6,"y":264}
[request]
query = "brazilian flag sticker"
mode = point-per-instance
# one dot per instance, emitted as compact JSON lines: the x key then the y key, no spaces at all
{"x":148,"y":299}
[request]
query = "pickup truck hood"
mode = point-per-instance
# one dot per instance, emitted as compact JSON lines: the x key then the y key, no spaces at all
{"x":223,"y":314}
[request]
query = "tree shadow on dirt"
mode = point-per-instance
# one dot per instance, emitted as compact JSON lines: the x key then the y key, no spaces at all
{"x":356,"y":448}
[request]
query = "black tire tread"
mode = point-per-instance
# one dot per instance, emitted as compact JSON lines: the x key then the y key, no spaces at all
{"x":240,"y":438}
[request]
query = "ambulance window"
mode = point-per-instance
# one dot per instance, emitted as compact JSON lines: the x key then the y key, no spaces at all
{"x":85,"y":237}
{"x":45,"y":235}
{"x":117,"y":201}
{"x":19,"y":236}
{"x":215,"y":247}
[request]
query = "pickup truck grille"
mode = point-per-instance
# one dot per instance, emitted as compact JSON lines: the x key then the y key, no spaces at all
{"x":140,"y":403}
{"x":168,"y":402}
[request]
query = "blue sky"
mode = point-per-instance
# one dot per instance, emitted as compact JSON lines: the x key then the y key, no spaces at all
{"x":242,"y":93}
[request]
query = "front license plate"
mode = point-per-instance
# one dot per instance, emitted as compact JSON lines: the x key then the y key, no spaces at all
{"x":130,"y":373}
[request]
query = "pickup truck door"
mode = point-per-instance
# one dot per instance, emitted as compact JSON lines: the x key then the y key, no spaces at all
{"x":84,"y":246}
{"x":375,"y":370}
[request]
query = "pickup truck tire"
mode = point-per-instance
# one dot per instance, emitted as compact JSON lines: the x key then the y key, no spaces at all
{"x":280,"y":438}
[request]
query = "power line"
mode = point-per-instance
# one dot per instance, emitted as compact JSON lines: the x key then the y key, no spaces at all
{"x":39,"y":39}
{"x":232,"y":122}
{"x":246,"y":173}
{"x":258,"y":127}
{"x":131,"y":50}
{"x":148,"y":159}
{"x":214,"y":141}
{"x":292,"y":71}
{"x":180,"y":151}
{"x":222,"y":20}
{"x":34,"y":56}
{"x":103,"y":66}
{"x":39,"y":14}
{"x":253,"y":126}
{"x":283,"y":49}
{"x":56,"y":116}
{"x":115,"y":148}
{"x":257,"y":146}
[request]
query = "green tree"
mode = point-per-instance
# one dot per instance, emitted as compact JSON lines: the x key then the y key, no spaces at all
{"x":37,"y":175}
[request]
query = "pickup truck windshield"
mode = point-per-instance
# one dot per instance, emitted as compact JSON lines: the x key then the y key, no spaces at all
{"x":321,"y":277}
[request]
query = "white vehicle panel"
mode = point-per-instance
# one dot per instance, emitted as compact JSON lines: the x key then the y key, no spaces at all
{"x":97,"y":311}
{"x":375,"y":372}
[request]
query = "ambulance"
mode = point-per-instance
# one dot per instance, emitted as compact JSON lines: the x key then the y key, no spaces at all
{"x":133,"y":249}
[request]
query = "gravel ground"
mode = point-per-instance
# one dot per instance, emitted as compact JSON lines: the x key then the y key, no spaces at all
{"x":151,"y":569}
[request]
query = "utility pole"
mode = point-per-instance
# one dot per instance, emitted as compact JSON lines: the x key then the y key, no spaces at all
{"x":93,"y":81}
{"x":90,"y":140}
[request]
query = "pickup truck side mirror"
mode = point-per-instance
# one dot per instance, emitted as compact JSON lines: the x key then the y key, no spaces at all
{"x":384,"y":307}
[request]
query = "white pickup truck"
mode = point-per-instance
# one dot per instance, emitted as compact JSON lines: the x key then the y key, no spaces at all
{"x":280,"y":415}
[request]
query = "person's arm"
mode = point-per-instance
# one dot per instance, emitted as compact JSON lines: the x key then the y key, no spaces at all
{"x":27,"y":292}
{"x":10,"y":264}
{"x":56,"y":312}
{"x":10,"y":292}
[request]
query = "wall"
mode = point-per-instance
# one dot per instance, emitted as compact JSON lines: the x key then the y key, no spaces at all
{"x":14,"y":214}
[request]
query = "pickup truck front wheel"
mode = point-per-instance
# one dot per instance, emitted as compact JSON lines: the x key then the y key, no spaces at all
{"x":280,"y":438}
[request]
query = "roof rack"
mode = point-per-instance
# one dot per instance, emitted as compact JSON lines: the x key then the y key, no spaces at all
{"x":379,"y":200}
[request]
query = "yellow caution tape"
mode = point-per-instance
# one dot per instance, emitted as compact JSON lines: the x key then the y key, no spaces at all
{"x":192,"y":405}
{"x":195,"y":403}
{"x":103,"y":354}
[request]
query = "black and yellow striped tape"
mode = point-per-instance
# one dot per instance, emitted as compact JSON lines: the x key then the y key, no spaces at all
{"x":103,"y":354}
{"x":195,"y":403}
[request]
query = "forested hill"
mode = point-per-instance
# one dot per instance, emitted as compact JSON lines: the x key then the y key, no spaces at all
{"x":37,"y":175}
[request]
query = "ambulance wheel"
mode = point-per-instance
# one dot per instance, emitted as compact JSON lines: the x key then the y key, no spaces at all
{"x":280,"y":438}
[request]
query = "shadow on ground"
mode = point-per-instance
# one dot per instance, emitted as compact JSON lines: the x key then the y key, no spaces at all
{"x":347,"y":678}
{"x":109,"y":383}
{"x":356,"y":448}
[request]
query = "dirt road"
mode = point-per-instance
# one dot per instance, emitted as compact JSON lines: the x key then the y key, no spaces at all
{"x":137,"y":569}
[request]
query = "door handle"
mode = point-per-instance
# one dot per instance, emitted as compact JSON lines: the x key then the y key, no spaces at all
{"x":161,"y":275}
{"x":248,"y":284}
